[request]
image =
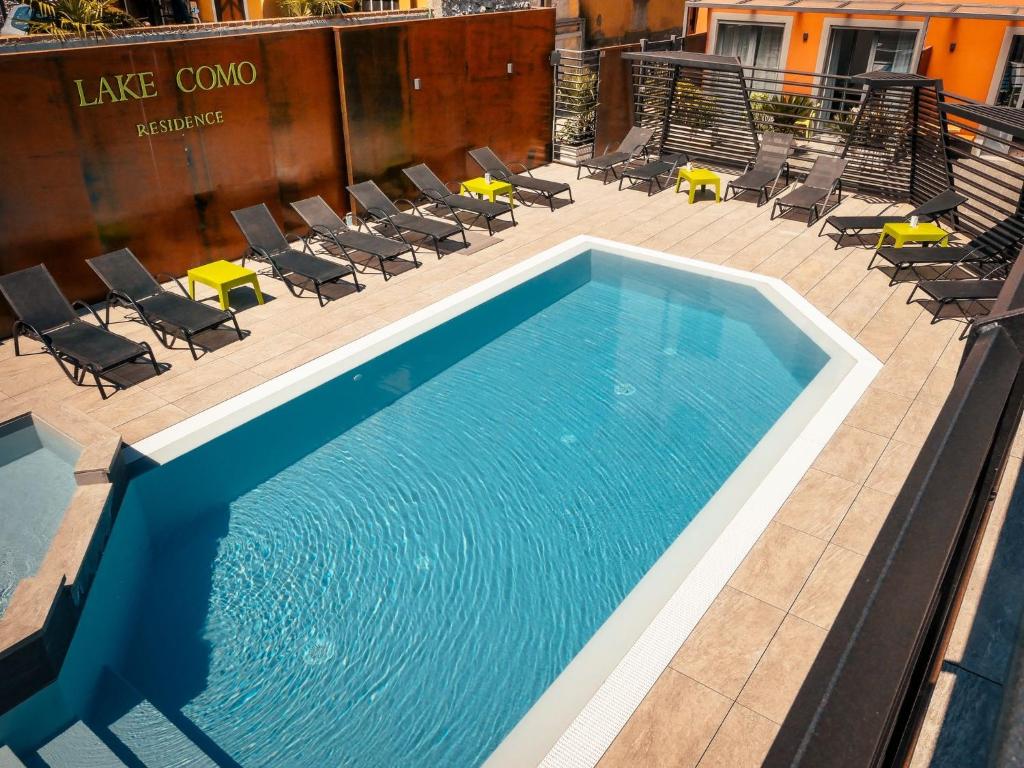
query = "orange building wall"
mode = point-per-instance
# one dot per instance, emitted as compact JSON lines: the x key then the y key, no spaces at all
{"x":623,"y":21}
{"x":968,"y":70}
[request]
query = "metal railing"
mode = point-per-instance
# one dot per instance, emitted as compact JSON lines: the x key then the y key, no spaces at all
{"x":864,"y":699}
{"x":574,"y":121}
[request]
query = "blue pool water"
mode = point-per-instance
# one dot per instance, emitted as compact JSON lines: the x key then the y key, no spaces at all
{"x":37,"y":480}
{"x":392,"y":568}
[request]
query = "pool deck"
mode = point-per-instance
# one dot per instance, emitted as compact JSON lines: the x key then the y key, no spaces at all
{"x":722,"y":698}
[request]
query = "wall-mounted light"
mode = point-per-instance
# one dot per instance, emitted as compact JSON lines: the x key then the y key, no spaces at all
{"x":416,"y":84}
{"x":806,"y":35}
{"x":509,"y":68}
{"x":952,"y":47}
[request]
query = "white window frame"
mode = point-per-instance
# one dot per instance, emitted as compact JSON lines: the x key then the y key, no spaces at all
{"x":1004,"y":56}
{"x":882,"y":25}
{"x":757,"y":19}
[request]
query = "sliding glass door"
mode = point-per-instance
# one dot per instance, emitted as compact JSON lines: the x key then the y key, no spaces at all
{"x":756,"y":45}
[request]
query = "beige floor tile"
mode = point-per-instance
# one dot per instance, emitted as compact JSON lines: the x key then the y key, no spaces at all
{"x":851,"y":454}
{"x":218,"y":392}
{"x":727,"y":642}
{"x":776,"y":680}
{"x":818,"y":504}
{"x":777,"y":566}
{"x":826,"y":589}
{"x":151,"y":423}
{"x":904,"y":373}
{"x":862,"y":523}
{"x":938,"y":385}
{"x":672,"y":726}
{"x":879,"y":412}
{"x":892,"y":468}
{"x":918,"y":422}
{"x":743,"y":741}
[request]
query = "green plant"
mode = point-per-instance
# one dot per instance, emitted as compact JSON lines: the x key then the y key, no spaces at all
{"x":782,"y":112}
{"x":576,"y":95}
{"x":77,"y":18}
{"x":693,"y":107}
{"x":315,"y":7}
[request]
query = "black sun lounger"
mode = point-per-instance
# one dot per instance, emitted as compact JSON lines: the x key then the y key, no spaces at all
{"x":651,"y":173}
{"x":632,"y":146}
{"x":132,"y":286}
{"x":763,"y":174}
{"x":943,"y":203}
{"x":330,"y":229}
{"x":813,"y":196}
{"x":491,"y":163}
{"x":381,"y":209}
{"x":970,"y":298}
{"x":46,"y":316}
{"x":437,"y":192}
{"x":268,"y":243}
{"x":994,"y":246}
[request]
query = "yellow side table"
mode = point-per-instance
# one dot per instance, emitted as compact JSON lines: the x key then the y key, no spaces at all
{"x":479,"y":186}
{"x":700,"y":178}
{"x":902,"y":233}
{"x":222,"y":276}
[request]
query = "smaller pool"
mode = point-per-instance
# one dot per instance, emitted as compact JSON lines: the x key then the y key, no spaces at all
{"x":37,"y":480}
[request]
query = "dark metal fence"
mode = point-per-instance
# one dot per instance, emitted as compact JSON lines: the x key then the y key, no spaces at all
{"x":575,"y":109}
{"x":864,"y":698}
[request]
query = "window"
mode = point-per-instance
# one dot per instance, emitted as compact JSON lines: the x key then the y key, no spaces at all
{"x":756,"y":45}
{"x":1011,"y":84}
{"x":854,"y":51}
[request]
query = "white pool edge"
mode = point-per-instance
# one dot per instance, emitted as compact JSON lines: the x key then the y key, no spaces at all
{"x":557,"y":733}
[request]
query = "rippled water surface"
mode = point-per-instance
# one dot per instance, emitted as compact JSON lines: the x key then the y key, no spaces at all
{"x":450,"y":525}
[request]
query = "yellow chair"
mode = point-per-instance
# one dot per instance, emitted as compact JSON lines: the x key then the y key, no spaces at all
{"x":222,"y":276}
{"x":700,"y":177}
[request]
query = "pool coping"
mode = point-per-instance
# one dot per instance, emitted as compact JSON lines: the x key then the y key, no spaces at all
{"x":548,"y":734}
{"x":37,"y":624}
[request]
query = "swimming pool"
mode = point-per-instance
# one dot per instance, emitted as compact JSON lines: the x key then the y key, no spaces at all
{"x":395,"y":555}
{"x":36,"y":469}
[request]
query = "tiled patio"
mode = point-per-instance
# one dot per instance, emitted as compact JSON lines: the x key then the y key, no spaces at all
{"x":723,"y":697}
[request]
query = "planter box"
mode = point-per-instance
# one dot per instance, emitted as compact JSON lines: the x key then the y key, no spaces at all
{"x":572,"y":154}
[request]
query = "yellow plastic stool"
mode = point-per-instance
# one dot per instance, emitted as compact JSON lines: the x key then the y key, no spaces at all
{"x":222,"y":276}
{"x":700,"y":177}
{"x":902,"y":233}
{"x":479,"y":186}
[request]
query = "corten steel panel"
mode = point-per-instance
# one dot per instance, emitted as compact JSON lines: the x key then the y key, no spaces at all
{"x":614,"y":96}
{"x":532,"y":87}
{"x":81,"y":181}
{"x":466,"y":98}
{"x":376,"y":102}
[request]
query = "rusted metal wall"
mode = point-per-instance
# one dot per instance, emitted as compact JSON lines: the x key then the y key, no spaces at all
{"x":77,"y":179}
{"x":466,"y":96}
{"x":610,"y":22}
{"x":614,"y":96}
{"x":81,"y":180}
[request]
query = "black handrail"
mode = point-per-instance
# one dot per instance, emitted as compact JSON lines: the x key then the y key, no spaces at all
{"x":863,"y":700}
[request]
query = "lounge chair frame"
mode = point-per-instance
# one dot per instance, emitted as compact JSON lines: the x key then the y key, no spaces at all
{"x":490,"y":163}
{"x":774,"y":147}
{"x":335,"y":235}
{"x":820,"y":206}
{"x":941,"y":205}
{"x":79,"y":367}
{"x":652,"y":172}
{"x":280,"y":271}
{"x":387,"y":215}
{"x":632,"y":147}
{"x":163,"y":328}
{"x":437,"y":192}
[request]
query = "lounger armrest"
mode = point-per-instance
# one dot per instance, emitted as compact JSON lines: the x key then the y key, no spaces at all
{"x":410,"y":202}
{"x":291,"y":237}
{"x":455,"y":217}
{"x":162,"y":275}
{"x":83,"y":305}
{"x":436,"y":195}
{"x":525,"y":169}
